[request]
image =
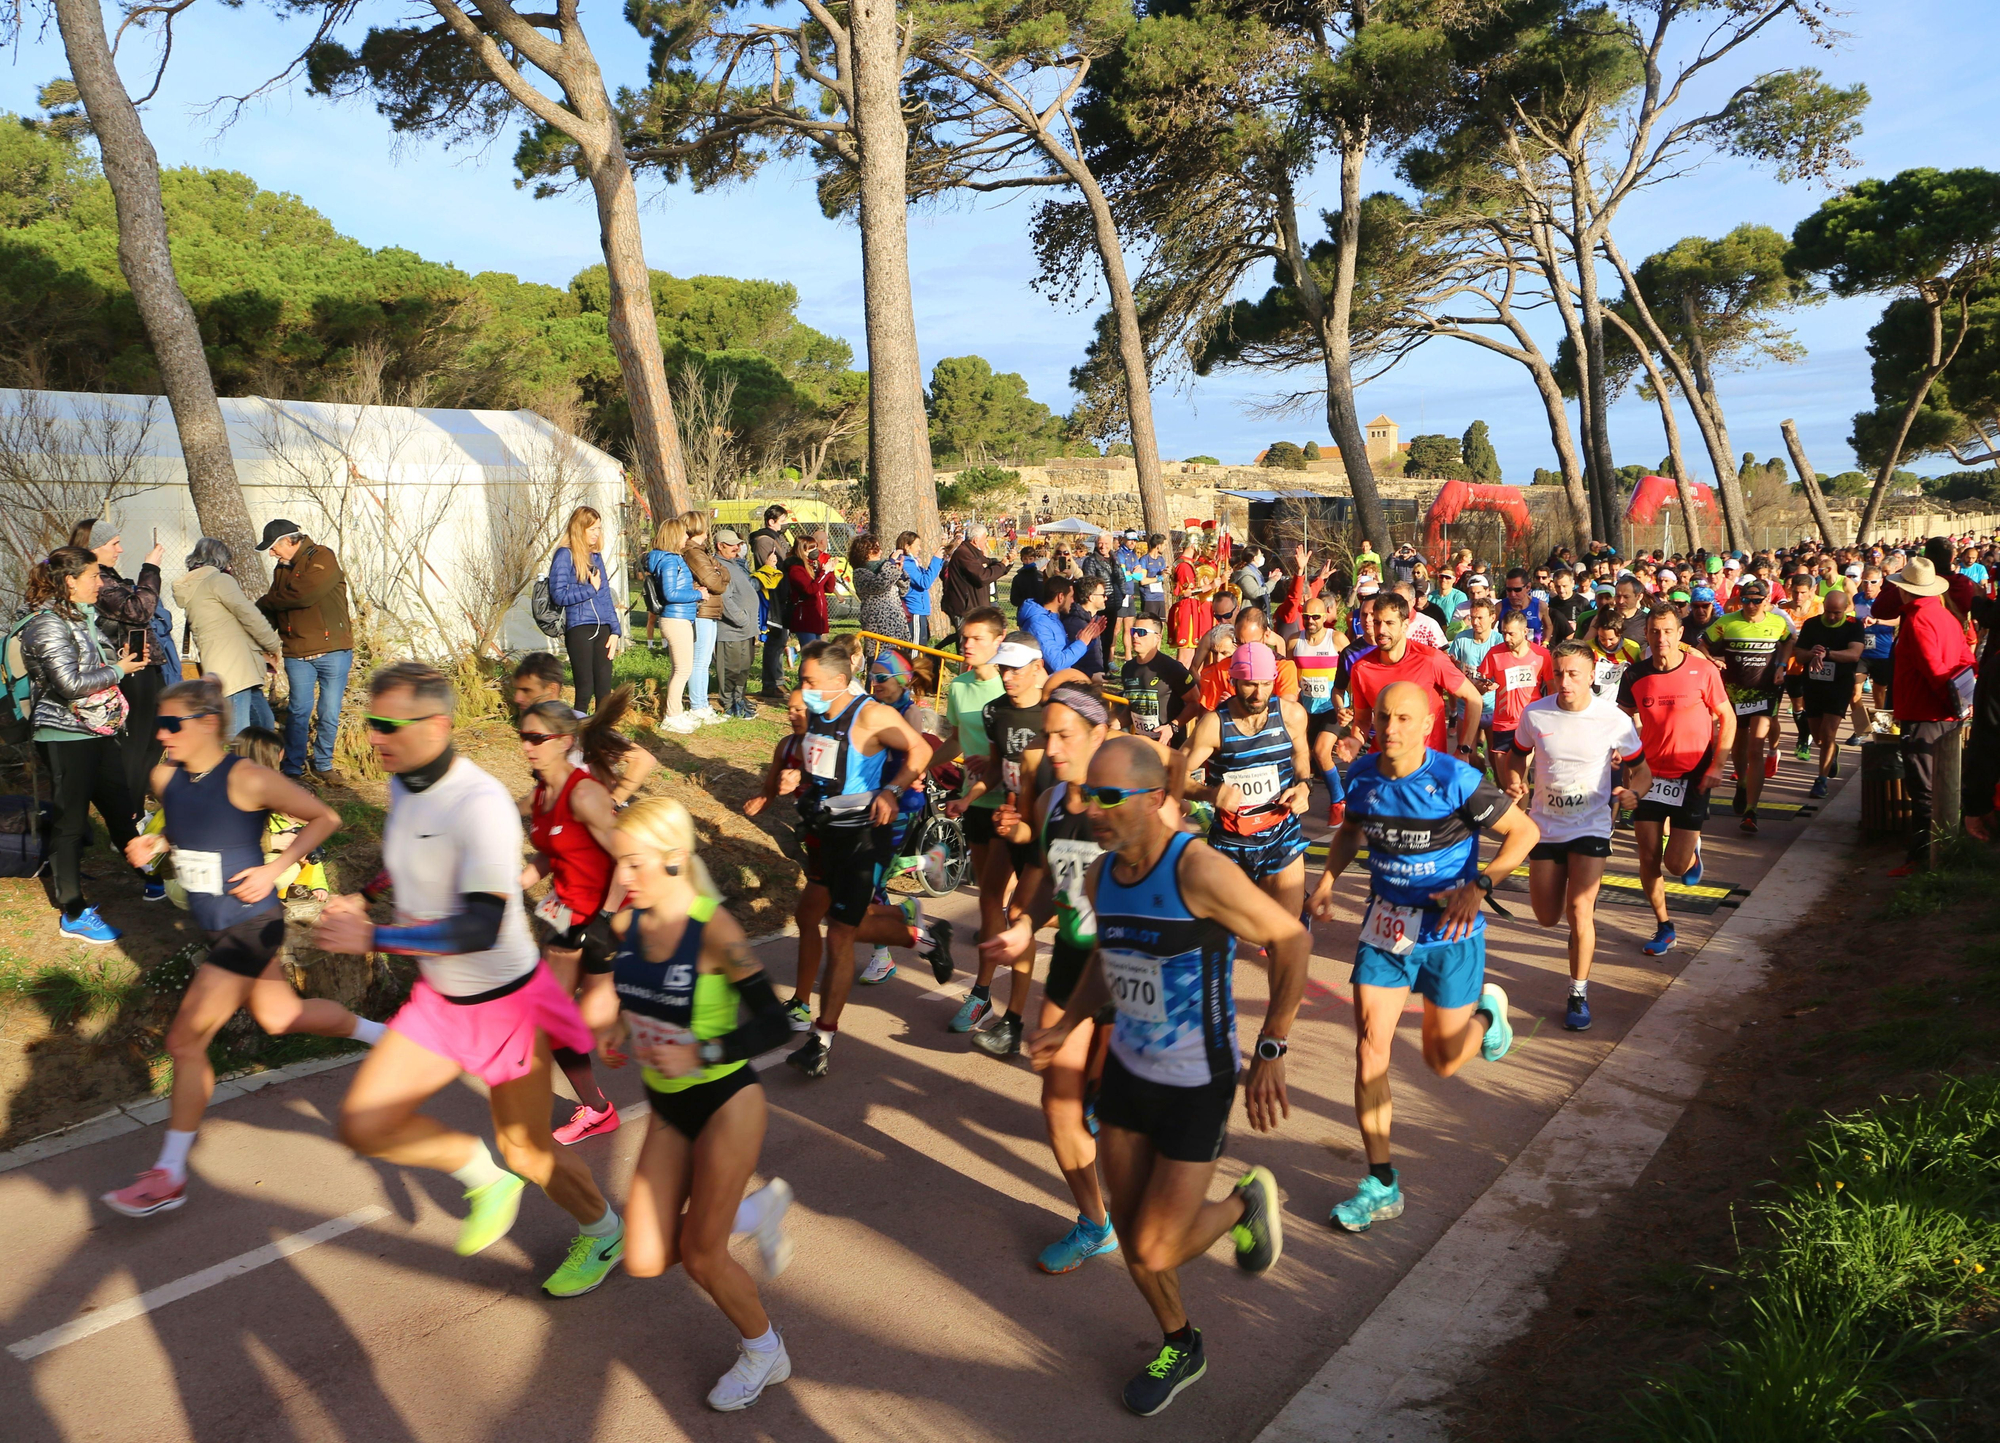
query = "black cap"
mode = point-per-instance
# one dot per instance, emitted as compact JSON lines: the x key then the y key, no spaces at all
{"x":1753,"y":590}
{"x":277,"y":531}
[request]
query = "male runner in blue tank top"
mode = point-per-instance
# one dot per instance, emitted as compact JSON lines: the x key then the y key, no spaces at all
{"x":1169,"y":910}
{"x":1420,"y":812}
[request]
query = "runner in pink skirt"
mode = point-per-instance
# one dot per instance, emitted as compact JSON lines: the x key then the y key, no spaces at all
{"x":486,"y":1003}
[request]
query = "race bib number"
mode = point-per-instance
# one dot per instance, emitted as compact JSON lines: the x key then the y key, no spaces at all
{"x":1520,"y":678}
{"x":1563,"y":801}
{"x":1069,"y":864}
{"x":1392,"y":929}
{"x":199,"y":871}
{"x":554,"y":913}
{"x":1750,"y":708}
{"x":1822,"y":672}
{"x":822,"y":756}
{"x":649,"y":1032}
{"x":1136,"y":986}
{"x":1317,"y":691}
{"x":1259,"y":785}
{"x":1010,"y":775}
{"x":1609,"y":674}
{"x":1668,"y":791}
{"x":1146,"y":713}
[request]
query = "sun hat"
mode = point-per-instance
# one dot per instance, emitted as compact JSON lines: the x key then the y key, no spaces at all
{"x":1920,"y":578}
{"x":1253,"y":662}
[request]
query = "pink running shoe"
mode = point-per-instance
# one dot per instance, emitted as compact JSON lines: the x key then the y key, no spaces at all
{"x":587,"y":1122}
{"x":154,"y":1192}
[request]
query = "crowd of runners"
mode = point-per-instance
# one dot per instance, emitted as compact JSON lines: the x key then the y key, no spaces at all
{"x":1148,"y":799}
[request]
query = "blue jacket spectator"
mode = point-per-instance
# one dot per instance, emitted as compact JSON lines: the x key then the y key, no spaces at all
{"x":676,"y":584}
{"x":585,"y":605}
{"x":922,"y":579}
{"x":1046,"y":626}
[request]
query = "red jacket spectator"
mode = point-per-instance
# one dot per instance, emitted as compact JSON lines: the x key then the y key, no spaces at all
{"x":1930,"y":650}
{"x":807,"y":612}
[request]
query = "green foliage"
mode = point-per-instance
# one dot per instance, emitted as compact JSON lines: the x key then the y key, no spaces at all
{"x":1983,"y":485}
{"x":1482,"y":462}
{"x":1284,"y":456}
{"x":1847,"y":483}
{"x":1923,"y":228}
{"x":1311,"y":451}
{"x":1435,"y":456}
{"x":1962,"y":402}
{"x":978,"y":486}
{"x":979,"y":416}
{"x":1545,"y":477}
{"x":1202,"y":461}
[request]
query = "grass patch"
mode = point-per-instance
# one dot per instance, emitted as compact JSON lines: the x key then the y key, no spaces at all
{"x":1968,"y":870}
{"x":1879,"y":1269}
{"x":68,"y":992}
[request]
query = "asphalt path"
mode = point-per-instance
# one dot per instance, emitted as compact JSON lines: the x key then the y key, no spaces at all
{"x":303,"y":1293}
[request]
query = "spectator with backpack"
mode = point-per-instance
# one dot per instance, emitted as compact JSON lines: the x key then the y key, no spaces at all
{"x":680,"y":603}
{"x":79,"y":717}
{"x":129,"y":614}
{"x":593,"y":624}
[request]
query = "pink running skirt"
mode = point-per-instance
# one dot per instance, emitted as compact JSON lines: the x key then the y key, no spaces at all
{"x":494,"y":1041}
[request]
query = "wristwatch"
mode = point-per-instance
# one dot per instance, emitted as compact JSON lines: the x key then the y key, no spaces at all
{"x":709,"y":1050}
{"x":1270,"y":1049}
{"x":1484,"y":883}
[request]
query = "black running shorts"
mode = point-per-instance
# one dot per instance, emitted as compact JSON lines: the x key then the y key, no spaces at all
{"x":247,"y":947}
{"x":1185,"y":1124}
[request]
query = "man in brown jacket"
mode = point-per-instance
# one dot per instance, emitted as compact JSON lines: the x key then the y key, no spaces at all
{"x":307,"y":604}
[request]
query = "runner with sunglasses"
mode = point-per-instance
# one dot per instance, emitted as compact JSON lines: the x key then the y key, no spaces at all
{"x":486,"y":1003}
{"x":1169,"y":910}
{"x":217,"y":807}
{"x":1155,"y":684}
{"x":1316,"y":653}
{"x":571,"y":818}
{"x":1013,"y":725}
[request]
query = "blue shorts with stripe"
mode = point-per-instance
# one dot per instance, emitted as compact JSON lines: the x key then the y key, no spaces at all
{"x":1262,"y":854}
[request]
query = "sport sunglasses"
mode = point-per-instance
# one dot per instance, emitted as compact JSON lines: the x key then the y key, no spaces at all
{"x":388,"y":726}
{"x":171,"y":725}
{"x":1115,"y":796}
{"x":535,"y":739}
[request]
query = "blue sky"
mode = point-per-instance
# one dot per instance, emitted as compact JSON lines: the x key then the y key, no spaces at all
{"x":971,"y":265}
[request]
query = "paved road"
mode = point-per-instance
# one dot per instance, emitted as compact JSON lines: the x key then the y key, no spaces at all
{"x":913,"y":1309}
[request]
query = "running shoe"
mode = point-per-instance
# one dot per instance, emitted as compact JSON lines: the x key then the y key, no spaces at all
{"x":774,"y":1245}
{"x":1085,"y":1240}
{"x":745,"y":1383}
{"x":87,"y":926}
{"x":1373,"y":1202}
{"x":1162,"y":1379}
{"x":494,"y":1208}
{"x":589,"y":1261}
{"x":1833,"y":765}
{"x":153,"y":892}
{"x":1817,"y":789}
{"x":812,"y":1058}
{"x":1576,"y":1017}
{"x":1260,"y":1235}
{"x":154,"y":1192}
{"x":972,"y":1013}
{"x":1662,"y":940}
{"x":1741,"y":800}
{"x":1802,"y":752}
{"x":936,"y":949}
{"x":1748,"y":826}
{"x":1857,"y":739}
{"x":1770,"y":764}
{"x":587,"y":1121}
{"x":1002,"y":1039}
{"x":1499,"y":1032}
{"x":935,"y":875}
{"x":881,"y":967}
{"x":798,"y":1014}
{"x":1692,"y":876}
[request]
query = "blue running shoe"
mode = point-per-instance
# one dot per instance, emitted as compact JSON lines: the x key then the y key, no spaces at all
{"x":154,"y":892}
{"x":1081,"y":1243}
{"x":1576,"y":1017}
{"x":1662,"y":940}
{"x":87,"y":926}
{"x":972,"y":1013}
{"x":1818,"y":788}
{"x":1372,"y":1203}
{"x":1499,"y":1032}
{"x":1692,"y":876}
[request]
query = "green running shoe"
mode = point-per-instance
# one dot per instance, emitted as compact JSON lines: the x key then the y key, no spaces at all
{"x":1260,"y":1236}
{"x":494,"y":1208}
{"x":1372,"y":1203}
{"x":1500,"y":1032}
{"x":589,"y":1260}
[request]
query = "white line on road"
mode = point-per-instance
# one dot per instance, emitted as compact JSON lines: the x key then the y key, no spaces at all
{"x":77,"y":1329}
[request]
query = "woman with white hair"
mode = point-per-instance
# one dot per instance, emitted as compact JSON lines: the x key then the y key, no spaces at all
{"x":236,"y":642}
{"x":694,"y":1006}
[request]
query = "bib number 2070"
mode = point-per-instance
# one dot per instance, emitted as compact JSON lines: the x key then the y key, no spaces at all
{"x":1137,"y":989}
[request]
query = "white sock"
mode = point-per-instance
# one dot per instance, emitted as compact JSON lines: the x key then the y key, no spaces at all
{"x":749,"y":1213}
{"x":824,"y":1034}
{"x":879,"y":956}
{"x":1577,"y":988}
{"x":174,"y":1154}
{"x":604,"y":1227}
{"x":366,"y":1031}
{"x":481,"y":1170}
{"x":768,"y":1343}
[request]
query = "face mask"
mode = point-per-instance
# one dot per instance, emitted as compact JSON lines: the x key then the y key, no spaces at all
{"x":818,"y":703}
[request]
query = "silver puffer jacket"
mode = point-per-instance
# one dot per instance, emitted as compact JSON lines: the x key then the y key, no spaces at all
{"x":62,"y":667}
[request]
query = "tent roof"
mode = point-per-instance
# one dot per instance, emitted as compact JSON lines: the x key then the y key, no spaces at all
{"x":1070,"y":526}
{"x":433,"y":435}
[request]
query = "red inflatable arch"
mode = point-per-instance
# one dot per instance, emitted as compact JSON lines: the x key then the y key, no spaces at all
{"x":1654,"y":494}
{"x":1455,"y":498}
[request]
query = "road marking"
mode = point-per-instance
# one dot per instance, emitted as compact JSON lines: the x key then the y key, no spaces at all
{"x":77,"y":1329}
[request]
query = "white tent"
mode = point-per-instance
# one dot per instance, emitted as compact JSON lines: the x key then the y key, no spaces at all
{"x":1072,"y":526}
{"x":441,"y":519}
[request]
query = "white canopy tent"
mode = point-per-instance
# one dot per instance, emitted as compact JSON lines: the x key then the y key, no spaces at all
{"x":442,"y":519}
{"x":1070,"y":526}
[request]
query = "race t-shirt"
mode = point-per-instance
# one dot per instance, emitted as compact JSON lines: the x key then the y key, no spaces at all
{"x":1878,"y":638}
{"x":1675,"y":710}
{"x":1573,"y":764}
{"x":1428,"y":667}
{"x":1517,"y":680}
{"x":1013,"y":731}
{"x":965,"y":708}
{"x":1154,"y":690}
{"x":460,"y":834}
{"x":1747,"y":650}
{"x":1609,"y":666}
{"x":1818,"y":631}
{"x":1423,"y":836}
{"x":1427,"y":631}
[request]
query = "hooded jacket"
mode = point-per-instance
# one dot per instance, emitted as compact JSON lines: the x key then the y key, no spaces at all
{"x":232,"y":635}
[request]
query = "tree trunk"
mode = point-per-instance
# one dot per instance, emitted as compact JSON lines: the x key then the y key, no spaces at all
{"x":1809,"y":479}
{"x":1566,"y":458}
{"x":1728,"y":481}
{"x":1597,"y":428}
{"x":635,"y":330}
{"x":898,"y":430}
{"x":1669,"y":423}
{"x":1939,"y":360}
{"x":132,"y":168}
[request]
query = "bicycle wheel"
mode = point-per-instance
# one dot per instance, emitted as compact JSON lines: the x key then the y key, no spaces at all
{"x":945,"y":832}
